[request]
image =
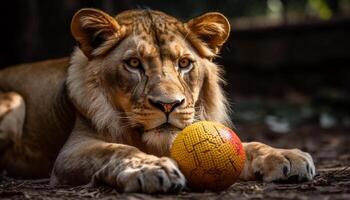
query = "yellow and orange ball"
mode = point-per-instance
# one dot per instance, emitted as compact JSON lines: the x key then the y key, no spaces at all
{"x":209,"y":154}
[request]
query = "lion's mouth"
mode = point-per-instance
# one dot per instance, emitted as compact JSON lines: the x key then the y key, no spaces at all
{"x":166,"y":127}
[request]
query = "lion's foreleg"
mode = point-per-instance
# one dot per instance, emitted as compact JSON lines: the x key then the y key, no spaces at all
{"x":89,"y":160}
{"x":83,"y":157}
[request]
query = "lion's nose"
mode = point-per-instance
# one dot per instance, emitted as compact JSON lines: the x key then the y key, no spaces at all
{"x":166,"y":107}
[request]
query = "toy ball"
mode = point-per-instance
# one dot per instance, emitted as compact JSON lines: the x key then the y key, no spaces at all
{"x":209,"y":154}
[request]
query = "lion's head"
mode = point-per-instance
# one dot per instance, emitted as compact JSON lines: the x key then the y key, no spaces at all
{"x":146,"y":73}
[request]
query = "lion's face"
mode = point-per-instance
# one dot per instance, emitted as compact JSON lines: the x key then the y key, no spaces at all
{"x":152,"y":72}
{"x":155,"y":84}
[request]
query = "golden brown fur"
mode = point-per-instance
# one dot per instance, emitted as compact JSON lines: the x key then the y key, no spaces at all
{"x":135,"y":81}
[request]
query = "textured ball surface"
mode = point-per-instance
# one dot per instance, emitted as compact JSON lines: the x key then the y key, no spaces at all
{"x":209,"y":154}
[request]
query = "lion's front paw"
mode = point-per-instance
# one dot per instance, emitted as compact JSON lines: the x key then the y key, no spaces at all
{"x":285,"y":165}
{"x":150,"y":175}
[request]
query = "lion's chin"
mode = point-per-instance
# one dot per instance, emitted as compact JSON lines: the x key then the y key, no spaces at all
{"x":158,"y":140}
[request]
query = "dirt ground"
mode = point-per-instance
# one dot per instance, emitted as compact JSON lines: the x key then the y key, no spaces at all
{"x":329,"y":147}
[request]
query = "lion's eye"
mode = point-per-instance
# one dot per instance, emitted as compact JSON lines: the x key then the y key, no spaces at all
{"x":134,"y":62}
{"x":185,"y":63}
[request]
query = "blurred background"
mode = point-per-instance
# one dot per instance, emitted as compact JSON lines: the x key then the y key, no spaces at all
{"x":287,"y":62}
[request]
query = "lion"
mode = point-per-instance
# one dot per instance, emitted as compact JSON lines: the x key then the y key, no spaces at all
{"x":109,"y":113}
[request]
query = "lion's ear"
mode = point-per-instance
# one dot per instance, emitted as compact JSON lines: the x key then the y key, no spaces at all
{"x":212,"y":28}
{"x":95,"y":31}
